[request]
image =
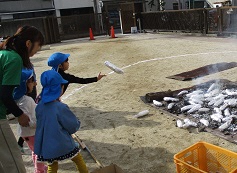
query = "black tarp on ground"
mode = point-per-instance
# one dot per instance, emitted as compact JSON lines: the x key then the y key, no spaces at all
{"x":203,"y":71}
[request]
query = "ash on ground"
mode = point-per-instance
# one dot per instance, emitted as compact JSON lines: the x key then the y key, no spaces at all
{"x":213,"y":106}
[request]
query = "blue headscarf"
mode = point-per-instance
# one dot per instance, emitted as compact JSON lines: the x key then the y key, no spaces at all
{"x":21,"y":90}
{"x":56,"y":59}
{"x":51,"y":82}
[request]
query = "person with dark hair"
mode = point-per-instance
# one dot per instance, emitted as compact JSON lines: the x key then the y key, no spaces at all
{"x":15,"y":54}
{"x":28,"y":105}
{"x":59,"y":63}
{"x":33,"y":95}
{"x":55,"y":125}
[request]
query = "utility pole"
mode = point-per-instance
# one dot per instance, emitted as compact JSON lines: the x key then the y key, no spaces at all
{"x":179,"y":5}
{"x":95,"y":6}
{"x":158,"y":5}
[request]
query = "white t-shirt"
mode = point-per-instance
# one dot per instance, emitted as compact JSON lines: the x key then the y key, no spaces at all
{"x":27,"y":105}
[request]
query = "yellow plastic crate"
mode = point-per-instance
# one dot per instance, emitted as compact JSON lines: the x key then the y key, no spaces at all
{"x":203,"y":157}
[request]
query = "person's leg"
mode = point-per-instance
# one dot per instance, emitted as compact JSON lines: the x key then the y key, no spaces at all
{"x":81,"y":166}
{"x":53,"y":168}
{"x":20,"y":142}
{"x":30,"y":143}
{"x":10,"y":155}
{"x":39,"y":167}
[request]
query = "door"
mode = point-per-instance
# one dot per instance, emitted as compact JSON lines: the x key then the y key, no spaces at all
{"x":127,"y":16}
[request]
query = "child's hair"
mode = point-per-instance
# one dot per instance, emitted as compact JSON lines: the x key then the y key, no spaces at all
{"x":64,"y":62}
{"x":29,"y":81}
{"x":22,"y":89}
{"x":57,"y":59}
{"x":18,"y":42}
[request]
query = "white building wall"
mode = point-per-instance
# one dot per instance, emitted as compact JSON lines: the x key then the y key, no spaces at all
{"x":67,"y":4}
{"x":13,"y":6}
{"x":168,"y":5}
{"x":151,"y":5}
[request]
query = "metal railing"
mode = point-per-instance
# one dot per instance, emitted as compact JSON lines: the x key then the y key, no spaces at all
{"x":62,"y":28}
{"x":217,"y":20}
{"x":176,"y":20}
{"x":220,"y":21}
{"x":77,"y":26}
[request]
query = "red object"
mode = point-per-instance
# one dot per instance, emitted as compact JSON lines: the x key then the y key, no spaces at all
{"x":112,"y":32}
{"x":91,"y":34}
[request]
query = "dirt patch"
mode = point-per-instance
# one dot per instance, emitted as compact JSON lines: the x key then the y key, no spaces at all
{"x":107,"y":108}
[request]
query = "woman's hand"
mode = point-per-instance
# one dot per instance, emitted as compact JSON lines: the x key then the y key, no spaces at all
{"x":100,"y":76}
{"x":24,"y":120}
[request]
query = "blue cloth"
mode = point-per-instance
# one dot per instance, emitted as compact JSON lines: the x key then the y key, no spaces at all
{"x":51,"y":82}
{"x":55,"y":124}
{"x":56,"y":59}
{"x":21,"y":90}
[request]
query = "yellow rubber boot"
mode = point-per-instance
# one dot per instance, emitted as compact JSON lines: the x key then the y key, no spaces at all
{"x":81,"y":166}
{"x":53,"y":168}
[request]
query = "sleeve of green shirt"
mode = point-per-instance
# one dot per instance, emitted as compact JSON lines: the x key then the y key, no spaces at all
{"x":12,"y":71}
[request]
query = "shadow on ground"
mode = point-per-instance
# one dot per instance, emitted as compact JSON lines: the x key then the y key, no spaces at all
{"x":131,"y":160}
{"x":92,"y":118}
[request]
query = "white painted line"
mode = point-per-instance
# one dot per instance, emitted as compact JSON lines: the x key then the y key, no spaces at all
{"x":154,"y":59}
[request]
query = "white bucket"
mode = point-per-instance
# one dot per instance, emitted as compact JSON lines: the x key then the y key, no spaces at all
{"x":133,"y":30}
